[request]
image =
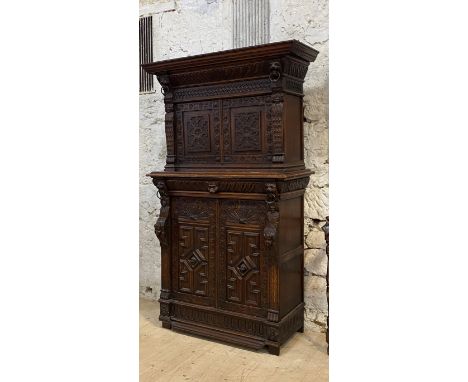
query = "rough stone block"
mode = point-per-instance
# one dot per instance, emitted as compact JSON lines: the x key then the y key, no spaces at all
{"x":315,"y":262}
{"x":316,"y":239}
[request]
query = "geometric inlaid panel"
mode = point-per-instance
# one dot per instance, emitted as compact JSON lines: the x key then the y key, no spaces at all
{"x":243,"y":267}
{"x":193,"y":259}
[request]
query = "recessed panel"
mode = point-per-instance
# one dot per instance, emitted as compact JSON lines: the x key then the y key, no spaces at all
{"x":246,"y":126}
{"x":197,"y":133}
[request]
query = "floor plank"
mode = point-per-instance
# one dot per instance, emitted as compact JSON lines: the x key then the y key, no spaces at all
{"x":172,"y":357}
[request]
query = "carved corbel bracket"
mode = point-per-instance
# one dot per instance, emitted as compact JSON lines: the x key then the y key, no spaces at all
{"x":165,"y":85}
{"x":161,"y":228}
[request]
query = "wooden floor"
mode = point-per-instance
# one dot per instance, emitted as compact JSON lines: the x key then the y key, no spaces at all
{"x":169,"y":356}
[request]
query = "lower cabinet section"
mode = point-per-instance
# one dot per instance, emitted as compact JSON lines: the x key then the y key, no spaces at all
{"x":231,"y":270}
{"x":247,"y":331}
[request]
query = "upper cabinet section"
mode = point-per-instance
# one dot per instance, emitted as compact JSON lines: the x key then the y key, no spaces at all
{"x":239,"y":108}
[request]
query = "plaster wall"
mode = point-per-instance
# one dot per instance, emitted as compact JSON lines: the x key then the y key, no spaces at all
{"x":188,"y":27}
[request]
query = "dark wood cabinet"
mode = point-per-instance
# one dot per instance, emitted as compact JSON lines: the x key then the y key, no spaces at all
{"x":231,"y":219}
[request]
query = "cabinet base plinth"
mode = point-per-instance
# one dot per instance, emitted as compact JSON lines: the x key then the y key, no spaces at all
{"x":239,"y":329}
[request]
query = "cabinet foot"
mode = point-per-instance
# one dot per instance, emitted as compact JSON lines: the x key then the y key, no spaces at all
{"x":166,"y":325}
{"x":274,"y":349}
{"x":301,"y":329}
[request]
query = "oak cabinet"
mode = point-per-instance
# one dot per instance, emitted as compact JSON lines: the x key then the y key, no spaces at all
{"x":231,"y":218}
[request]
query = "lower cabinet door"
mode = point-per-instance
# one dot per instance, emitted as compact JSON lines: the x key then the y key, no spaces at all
{"x":193,"y":260}
{"x":242,"y":266}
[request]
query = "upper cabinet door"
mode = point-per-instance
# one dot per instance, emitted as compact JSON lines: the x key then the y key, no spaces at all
{"x":198,"y":132}
{"x":246,"y":136}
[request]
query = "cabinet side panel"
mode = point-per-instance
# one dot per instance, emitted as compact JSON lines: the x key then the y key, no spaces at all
{"x":291,"y":276}
{"x":293,"y":134}
{"x":291,"y":245}
{"x":291,"y":224}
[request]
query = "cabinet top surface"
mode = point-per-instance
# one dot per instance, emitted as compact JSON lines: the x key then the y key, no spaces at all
{"x":258,"y":52}
{"x":232,"y":175}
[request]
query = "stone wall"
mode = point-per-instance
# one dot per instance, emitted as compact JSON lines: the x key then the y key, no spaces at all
{"x":307,"y":21}
{"x":187,"y":27}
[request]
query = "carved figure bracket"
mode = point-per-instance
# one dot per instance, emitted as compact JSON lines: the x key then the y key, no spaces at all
{"x":161,"y":228}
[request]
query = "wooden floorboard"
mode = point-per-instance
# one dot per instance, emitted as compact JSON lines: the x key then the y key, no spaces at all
{"x":171,"y":357}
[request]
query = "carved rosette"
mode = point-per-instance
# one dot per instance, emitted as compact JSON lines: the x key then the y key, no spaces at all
{"x":161,"y":228}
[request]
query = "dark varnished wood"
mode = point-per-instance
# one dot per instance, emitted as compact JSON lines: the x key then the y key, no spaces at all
{"x":231,"y":219}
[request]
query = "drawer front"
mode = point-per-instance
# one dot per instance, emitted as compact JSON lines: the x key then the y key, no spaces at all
{"x":193,"y":267}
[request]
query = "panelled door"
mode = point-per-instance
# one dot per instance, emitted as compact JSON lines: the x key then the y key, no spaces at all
{"x":193,"y":267}
{"x":219,"y":253}
{"x":242,"y":282}
{"x":230,"y":131}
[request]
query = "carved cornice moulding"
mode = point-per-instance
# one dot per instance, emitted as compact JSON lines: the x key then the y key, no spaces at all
{"x":290,"y":57}
{"x":267,"y":51}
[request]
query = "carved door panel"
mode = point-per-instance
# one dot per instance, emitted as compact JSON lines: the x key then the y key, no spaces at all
{"x":198,"y":132}
{"x":247,"y":137}
{"x":193,"y":268}
{"x":242,"y":284}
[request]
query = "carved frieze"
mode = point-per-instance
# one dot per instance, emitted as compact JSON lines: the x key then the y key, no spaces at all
{"x":194,"y":209}
{"x":293,"y":184}
{"x":238,"y":185}
{"x":245,"y":87}
{"x":295,"y":68}
{"x":231,"y":72}
{"x":219,"y":320}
